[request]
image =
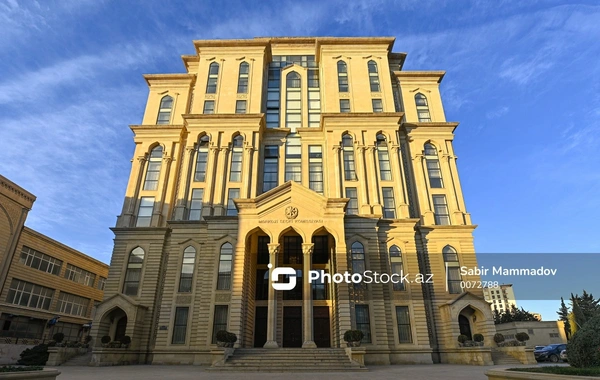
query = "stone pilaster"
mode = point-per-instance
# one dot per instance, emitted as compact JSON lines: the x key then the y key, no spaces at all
{"x":272,"y":304}
{"x":307,"y":305}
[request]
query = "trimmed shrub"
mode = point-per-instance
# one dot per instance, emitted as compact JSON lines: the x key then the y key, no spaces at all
{"x":353,"y":336}
{"x":58,"y":337}
{"x":105,"y":339}
{"x":462,"y":338}
{"x":584,"y":347}
{"x":478,"y":338}
{"x":222,"y":336}
{"x":126,"y":340}
{"x":522,"y":336}
{"x":498,"y":338}
{"x":37,"y":355}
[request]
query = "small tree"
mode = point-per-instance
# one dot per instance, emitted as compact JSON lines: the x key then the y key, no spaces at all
{"x":478,"y":338}
{"x":522,"y":336}
{"x":58,"y":337}
{"x":37,"y":355}
{"x":563,"y":314}
{"x":584,"y":347}
{"x":498,"y":338}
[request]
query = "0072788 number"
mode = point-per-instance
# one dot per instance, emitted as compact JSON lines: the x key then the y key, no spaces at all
{"x":478,"y":284}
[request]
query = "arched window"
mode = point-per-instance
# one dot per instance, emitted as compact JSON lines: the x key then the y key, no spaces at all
{"x":342,"y":69}
{"x":358,"y":257}
{"x":348,"y":152}
{"x":213,"y":78}
{"x":153,"y":169}
{"x":293,"y":107}
{"x":225,"y":257}
{"x":202,"y":159}
{"x":422,"y":108}
{"x":396,"y":266}
{"x":235,"y":174}
{"x":187,"y":270}
{"x":385,"y":170}
{"x":243,"y":78}
{"x":433,"y":167}
{"x":293,"y":158}
{"x":164,"y":111}
{"x":373,"y":76}
{"x":453,"y":269}
{"x":133,"y":274}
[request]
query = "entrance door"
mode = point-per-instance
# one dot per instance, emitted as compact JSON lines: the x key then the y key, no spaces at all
{"x":121,"y":328}
{"x":321,"y":326}
{"x":465,"y":326}
{"x":292,"y":326}
{"x":260,"y":326}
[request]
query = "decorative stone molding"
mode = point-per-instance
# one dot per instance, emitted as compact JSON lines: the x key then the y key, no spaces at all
{"x":307,"y":248}
{"x":345,"y":95}
{"x":209,"y":96}
{"x":183,"y":299}
{"x":223,"y":297}
{"x":273,"y":248}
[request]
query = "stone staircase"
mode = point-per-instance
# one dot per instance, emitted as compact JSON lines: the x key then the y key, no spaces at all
{"x":501,"y":358}
{"x":81,"y":360}
{"x":288,"y":360}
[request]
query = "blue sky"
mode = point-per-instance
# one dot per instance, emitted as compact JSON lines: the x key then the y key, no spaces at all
{"x":522,"y":79}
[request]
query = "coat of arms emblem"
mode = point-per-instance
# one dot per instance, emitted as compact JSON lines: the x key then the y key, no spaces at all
{"x":291,"y":212}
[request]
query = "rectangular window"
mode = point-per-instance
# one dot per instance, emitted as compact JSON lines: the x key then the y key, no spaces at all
{"x":231,"y":209}
{"x":79,"y":275}
{"x":29,"y":295}
{"x":363,"y":322}
{"x":209,"y":107}
{"x":293,"y":160}
{"x":352,"y":207}
{"x":270,"y":171}
{"x":292,"y":250}
{"x":235,"y":174}
{"x":389,"y":206}
{"x":72,"y":304}
{"x":403,"y":318}
{"x":152,"y":173}
{"x":213,"y":77}
{"x":315,"y":168}
{"x":187,"y":270}
{"x":262,"y":284}
{"x":440,"y":209}
{"x":377,"y":105}
{"x":263,"y":250}
{"x":101,"y":283}
{"x":320,"y":250}
{"x":344,"y":105}
{"x":145,"y":212}
{"x":397,"y":268}
{"x":240,"y":106}
{"x":243,"y":79}
{"x":180,"y":325}
{"x":196,"y":204}
{"x":319,"y":288}
{"x":40,"y":261}
{"x":220,"y":321}
{"x":453,"y":268}
{"x":435,"y":174}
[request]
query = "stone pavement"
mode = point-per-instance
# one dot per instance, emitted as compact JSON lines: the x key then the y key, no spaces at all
{"x":156,"y":372}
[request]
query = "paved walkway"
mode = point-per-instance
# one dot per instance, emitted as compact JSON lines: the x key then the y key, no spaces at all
{"x":395,"y":372}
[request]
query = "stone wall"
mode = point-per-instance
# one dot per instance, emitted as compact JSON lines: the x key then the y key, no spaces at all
{"x":10,"y":353}
{"x":59,"y":355}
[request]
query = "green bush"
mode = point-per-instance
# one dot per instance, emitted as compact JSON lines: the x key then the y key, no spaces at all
{"x":462,"y":338}
{"x":87,"y":339}
{"x":522,"y":337}
{"x":58,"y":337}
{"x":498,"y":338}
{"x":126,"y":340}
{"x":20,"y":369}
{"x":222,"y":336}
{"x":353,"y":336}
{"x":478,"y":338}
{"x":37,"y":355}
{"x":584,"y":346}
{"x":105,"y":339}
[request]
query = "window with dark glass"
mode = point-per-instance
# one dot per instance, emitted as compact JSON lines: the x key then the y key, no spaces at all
{"x":434,"y":171}
{"x":133,"y":273}
{"x":263,"y":250}
{"x":240,"y":106}
{"x":440,"y":210}
{"x":344,"y":105}
{"x":348,"y":153}
{"x":195,"y":212}
{"x":314,"y":98}
{"x":319,"y":288}
{"x":373,"y":76}
{"x":27,"y":294}
{"x":342,"y":76}
{"x":389,"y":205}
{"x":292,"y":250}
{"x":243,"y":78}
{"x":385,"y":169}
{"x":225,"y":258}
{"x":293,"y":116}
{"x":40,"y":261}
{"x":315,"y":168}
{"x":213,"y":77}
{"x":209,"y":107}
{"x":320,"y":249}
{"x":202,"y":159}
{"x":231,"y":209}
{"x":180,"y":325}
{"x":219,"y":321}
{"x":235,"y":174}
{"x":79,"y":275}
{"x":270,"y":170}
{"x":422,"y":108}
{"x":396,"y":266}
{"x":403,"y":319}
{"x":296,"y":293}
{"x":153,"y":169}
{"x":72,"y":304}
{"x":352,"y":206}
{"x":357,"y":251}
{"x":164,"y":112}
{"x":273,"y":95}
{"x":363,"y":322}
{"x":377,"y":105}
{"x":187,"y":270}
{"x":453,"y":270}
{"x":293,"y":158}
{"x":262,"y":284}
{"x":145,"y":209}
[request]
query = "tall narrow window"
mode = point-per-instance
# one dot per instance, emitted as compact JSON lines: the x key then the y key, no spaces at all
{"x":342,"y":76}
{"x":440,"y":210}
{"x":373,"y":76}
{"x":202,"y":159}
{"x":293,"y":158}
{"x":315,"y":168}
{"x":213,"y":77}
{"x":187,"y":270}
{"x":293,"y":117}
{"x":385,"y":170}
{"x":314,"y":98}
{"x":422,"y":108}
{"x":209,"y":107}
{"x":144,"y":216}
{"x":344,"y":105}
{"x":153,"y":169}
{"x":263,"y":250}
{"x":358,"y":257}
{"x":240,"y":106}
{"x":396,"y":266}
{"x":348,"y":151}
{"x":434,"y":171}
{"x":235,"y":174}
{"x":225,"y":257}
{"x":389,"y":206}
{"x":273,"y":96}
{"x":164,"y":111}
{"x":270,"y":173}
{"x":377,"y":105}
{"x":180,"y":325}
{"x":352,"y":207}
{"x":403,"y":319}
{"x":363,"y":322}
{"x":321,"y":249}
{"x":243,"y":78}
{"x":220,"y":321}
{"x":196,"y":204}
{"x":133,"y":273}
{"x":453,"y":270}
{"x":231,"y":209}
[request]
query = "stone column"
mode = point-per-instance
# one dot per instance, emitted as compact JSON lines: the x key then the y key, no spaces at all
{"x":183,"y":184}
{"x":307,"y":305}
{"x":272,"y":304}
{"x":363,"y":197}
{"x":246,"y":172}
{"x":398,"y":175}
{"x":210,"y":179}
{"x":219,"y":197}
{"x":335,"y":182}
{"x":372,"y":174}
{"x":127,"y":217}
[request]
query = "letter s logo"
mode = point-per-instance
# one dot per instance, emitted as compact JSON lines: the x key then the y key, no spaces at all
{"x":284,"y":286}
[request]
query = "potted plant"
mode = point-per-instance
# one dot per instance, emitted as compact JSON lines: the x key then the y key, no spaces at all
{"x":58,"y":338}
{"x":225,"y":338}
{"x":353,"y":337}
{"x":522,"y":337}
{"x":462,"y":339}
{"x":126,"y":341}
{"x":105,"y":340}
{"x":498,"y":338}
{"x":478,"y":338}
{"x":87,"y":341}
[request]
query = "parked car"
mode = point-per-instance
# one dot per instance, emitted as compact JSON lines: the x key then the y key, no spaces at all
{"x":550,"y":352}
{"x":563,"y":356}
{"x":538,"y":347}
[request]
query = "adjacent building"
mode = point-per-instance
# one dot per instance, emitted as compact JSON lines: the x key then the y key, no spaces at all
{"x":305,"y":153}
{"x":46,"y":287}
{"x":500,"y":298}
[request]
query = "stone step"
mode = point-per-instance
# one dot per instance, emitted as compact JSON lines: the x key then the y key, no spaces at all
{"x":82,"y":360}
{"x":500,"y":358}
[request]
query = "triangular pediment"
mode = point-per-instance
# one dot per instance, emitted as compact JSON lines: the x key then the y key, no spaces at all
{"x":466,"y":296}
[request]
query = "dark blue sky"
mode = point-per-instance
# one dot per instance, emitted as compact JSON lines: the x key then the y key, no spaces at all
{"x":522,"y":79}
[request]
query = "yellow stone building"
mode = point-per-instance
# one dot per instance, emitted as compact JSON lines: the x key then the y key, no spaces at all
{"x":314,"y":154}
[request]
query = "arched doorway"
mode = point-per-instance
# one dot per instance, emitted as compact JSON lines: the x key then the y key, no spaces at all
{"x":464,"y":326}
{"x":114,"y":324}
{"x":121,"y":328}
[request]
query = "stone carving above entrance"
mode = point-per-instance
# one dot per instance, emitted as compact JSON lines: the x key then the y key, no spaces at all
{"x":291,"y":212}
